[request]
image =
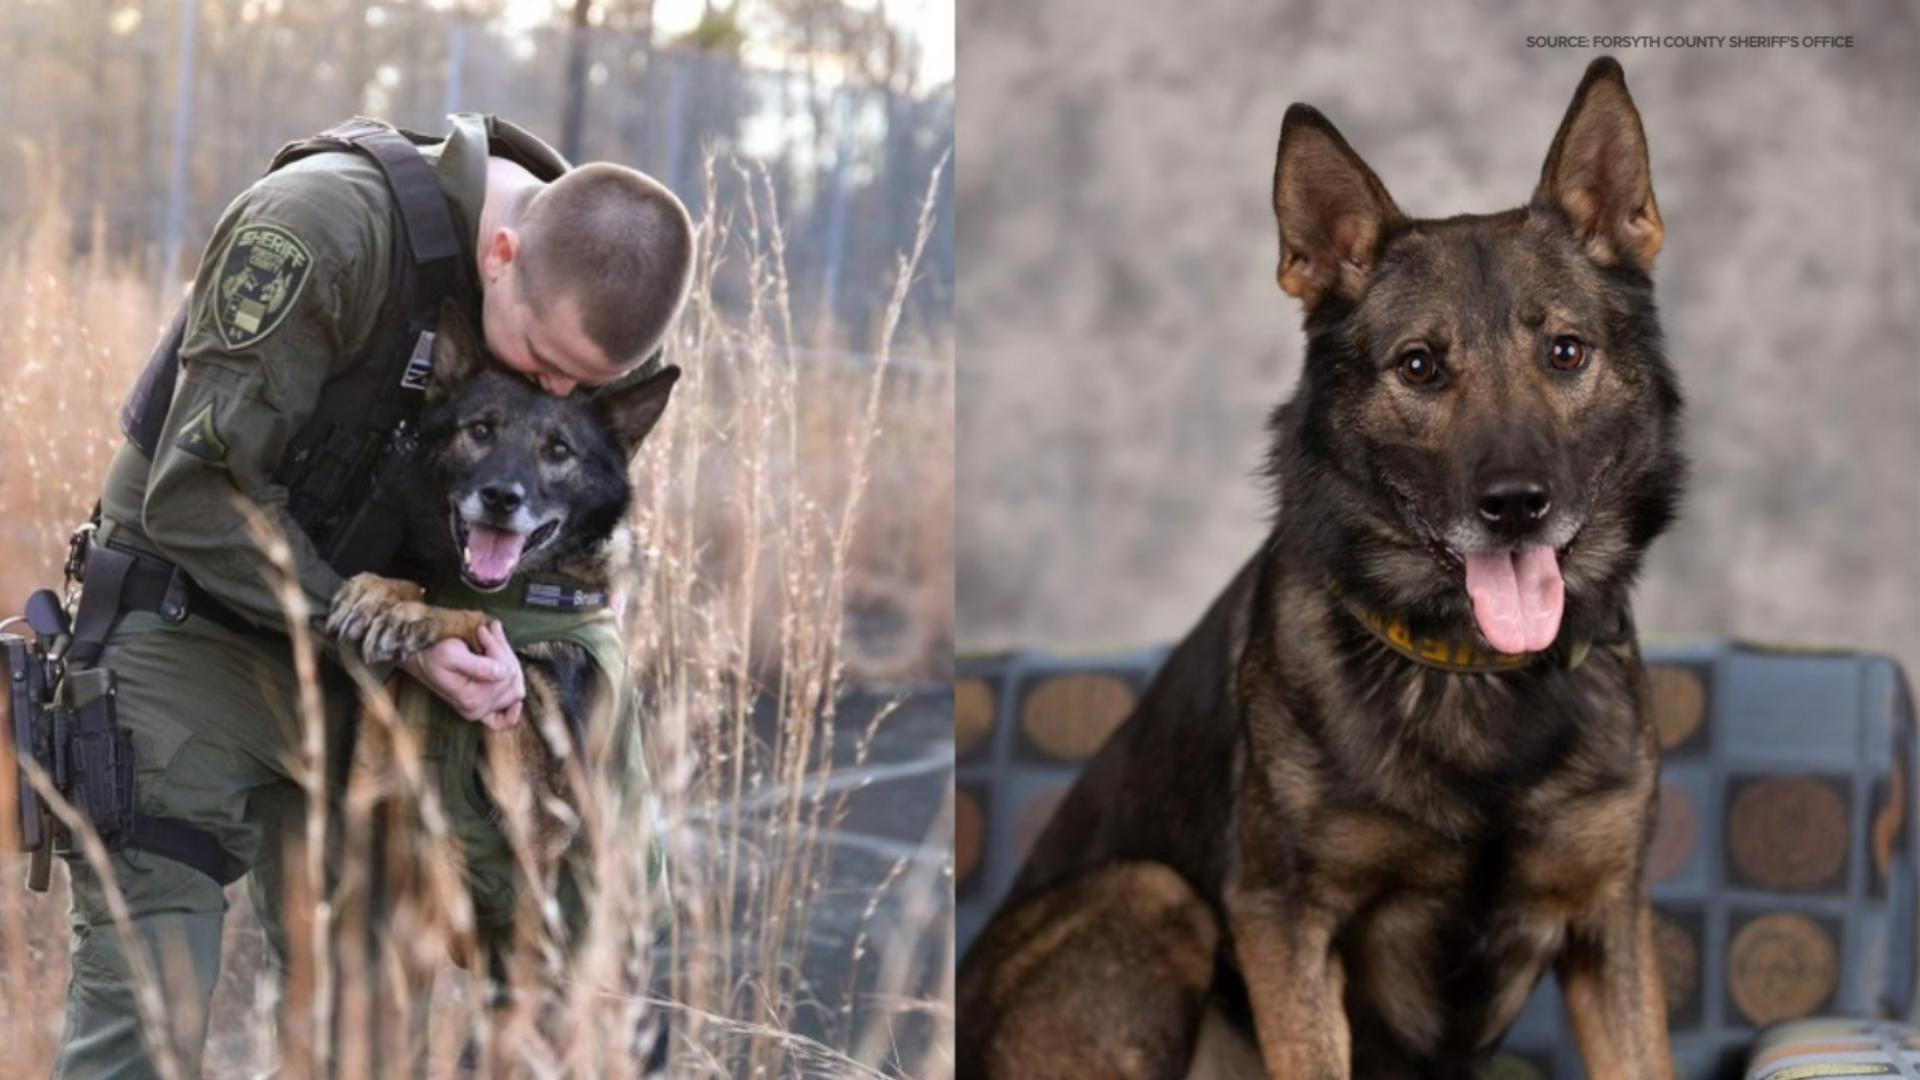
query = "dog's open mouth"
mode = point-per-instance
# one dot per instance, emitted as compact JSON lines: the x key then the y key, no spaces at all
{"x":489,"y":554}
{"x":1519,"y":595}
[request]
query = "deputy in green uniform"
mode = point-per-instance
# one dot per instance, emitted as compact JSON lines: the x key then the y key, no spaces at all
{"x":574,"y":275}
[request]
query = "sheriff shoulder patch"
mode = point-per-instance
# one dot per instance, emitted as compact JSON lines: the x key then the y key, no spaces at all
{"x":199,"y":438}
{"x":261,"y":274}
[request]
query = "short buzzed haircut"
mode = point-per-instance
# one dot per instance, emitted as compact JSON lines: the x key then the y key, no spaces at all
{"x":617,"y":241}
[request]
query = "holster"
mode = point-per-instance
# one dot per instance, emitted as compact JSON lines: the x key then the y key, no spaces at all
{"x":91,"y":761}
{"x":61,"y":714}
{"x":93,"y":755}
{"x":64,"y":722}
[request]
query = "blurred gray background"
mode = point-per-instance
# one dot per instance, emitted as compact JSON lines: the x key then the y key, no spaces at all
{"x":1121,"y":338}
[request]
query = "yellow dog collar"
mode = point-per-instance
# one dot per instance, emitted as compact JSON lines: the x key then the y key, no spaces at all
{"x":1462,"y":656}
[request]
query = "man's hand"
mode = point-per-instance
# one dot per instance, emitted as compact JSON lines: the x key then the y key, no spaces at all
{"x":486,"y":686}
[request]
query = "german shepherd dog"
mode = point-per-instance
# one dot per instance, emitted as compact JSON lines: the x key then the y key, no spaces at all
{"x":506,"y":481}
{"x":1404,"y":763}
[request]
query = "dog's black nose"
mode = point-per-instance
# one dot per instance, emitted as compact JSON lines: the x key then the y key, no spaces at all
{"x":502,"y":498}
{"x":1515,"y":502}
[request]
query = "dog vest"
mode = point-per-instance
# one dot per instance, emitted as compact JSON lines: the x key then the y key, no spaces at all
{"x":538,"y":609}
{"x":531,"y":611}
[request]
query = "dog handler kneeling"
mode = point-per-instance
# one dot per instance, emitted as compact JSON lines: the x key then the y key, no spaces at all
{"x":288,"y":381}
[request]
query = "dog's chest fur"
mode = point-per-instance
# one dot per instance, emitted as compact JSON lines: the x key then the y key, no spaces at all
{"x":1453,"y":828}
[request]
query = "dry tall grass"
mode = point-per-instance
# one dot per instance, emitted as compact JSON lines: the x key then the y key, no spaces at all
{"x":796,"y":525}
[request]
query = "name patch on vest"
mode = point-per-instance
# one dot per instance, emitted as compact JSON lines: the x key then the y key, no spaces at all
{"x":261,"y":275}
{"x":420,"y":364}
{"x":553,"y":597}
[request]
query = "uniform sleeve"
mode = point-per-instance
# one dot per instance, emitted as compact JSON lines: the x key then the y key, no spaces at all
{"x":277,"y":308}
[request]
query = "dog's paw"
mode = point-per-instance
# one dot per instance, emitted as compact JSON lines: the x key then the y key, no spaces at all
{"x":384,"y":619}
{"x":355,"y":603}
{"x":364,"y":611}
{"x":400,"y":632}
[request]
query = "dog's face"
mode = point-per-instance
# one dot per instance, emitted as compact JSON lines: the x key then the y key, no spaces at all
{"x":511,"y":480}
{"x":1486,"y":414}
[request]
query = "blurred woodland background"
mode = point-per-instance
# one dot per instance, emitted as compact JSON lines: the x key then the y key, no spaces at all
{"x":154,"y":113}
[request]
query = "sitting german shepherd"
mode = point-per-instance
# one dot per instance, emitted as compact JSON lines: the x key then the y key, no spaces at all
{"x":1405,"y":762}
{"x":518,"y":503}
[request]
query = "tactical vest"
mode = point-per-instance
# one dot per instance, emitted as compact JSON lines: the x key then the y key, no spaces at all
{"x":364,"y":422}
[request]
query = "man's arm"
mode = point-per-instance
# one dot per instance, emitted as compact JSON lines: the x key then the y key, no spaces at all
{"x":285,"y":297}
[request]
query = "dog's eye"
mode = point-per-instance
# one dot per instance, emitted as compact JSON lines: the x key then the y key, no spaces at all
{"x":558,"y":451}
{"x":481,"y":430}
{"x":1568,"y":353}
{"x":1419,"y":367}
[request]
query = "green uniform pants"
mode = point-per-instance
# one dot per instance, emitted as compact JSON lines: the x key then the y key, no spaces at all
{"x":216,"y":739}
{"x":216,"y":736}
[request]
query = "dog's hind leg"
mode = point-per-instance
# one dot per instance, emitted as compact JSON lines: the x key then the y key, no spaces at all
{"x":1106,"y":975}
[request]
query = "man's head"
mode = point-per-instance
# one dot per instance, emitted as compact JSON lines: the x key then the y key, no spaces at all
{"x":585,"y":275}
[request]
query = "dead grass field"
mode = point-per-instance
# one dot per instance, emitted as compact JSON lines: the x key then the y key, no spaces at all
{"x":796,"y":519}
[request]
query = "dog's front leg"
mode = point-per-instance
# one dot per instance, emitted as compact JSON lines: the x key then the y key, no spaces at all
{"x":386,"y":618}
{"x":1610,"y":978}
{"x":1295,"y":982}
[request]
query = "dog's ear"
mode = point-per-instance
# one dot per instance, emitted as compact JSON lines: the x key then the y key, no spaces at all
{"x":1597,"y":172}
{"x":1333,"y":211}
{"x":458,"y":351}
{"x":635,"y":408}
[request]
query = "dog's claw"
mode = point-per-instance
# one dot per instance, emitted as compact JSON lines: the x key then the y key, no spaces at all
{"x":383,"y":644}
{"x":419,"y":636}
{"x":384,"y":620}
{"x":392,"y":636}
{"x":363,"y":618}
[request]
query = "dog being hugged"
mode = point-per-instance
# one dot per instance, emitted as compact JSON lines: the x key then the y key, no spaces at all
{"x":517,"y":504}
{"x":1405,"y":764}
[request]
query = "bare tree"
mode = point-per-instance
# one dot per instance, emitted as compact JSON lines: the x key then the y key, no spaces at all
{"x":573,"y":109}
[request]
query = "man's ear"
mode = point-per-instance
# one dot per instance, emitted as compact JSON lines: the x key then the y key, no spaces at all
{"x":502,"y":249}
{"x":1333,"y":211}
{"x":458,"y":352}
{"x":1597,"y":172}
{"x":634,"y":410}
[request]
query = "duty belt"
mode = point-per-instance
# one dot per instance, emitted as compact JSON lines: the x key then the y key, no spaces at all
{"x":116,"y":579}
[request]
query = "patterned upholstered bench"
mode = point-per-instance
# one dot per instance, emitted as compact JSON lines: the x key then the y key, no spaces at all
{"x":1805,"y":1049}
{"x":1783,"y":867}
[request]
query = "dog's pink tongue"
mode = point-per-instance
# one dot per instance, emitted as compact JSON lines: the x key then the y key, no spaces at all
{"x":1518,"y":598}
{"x":492,"y":553}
